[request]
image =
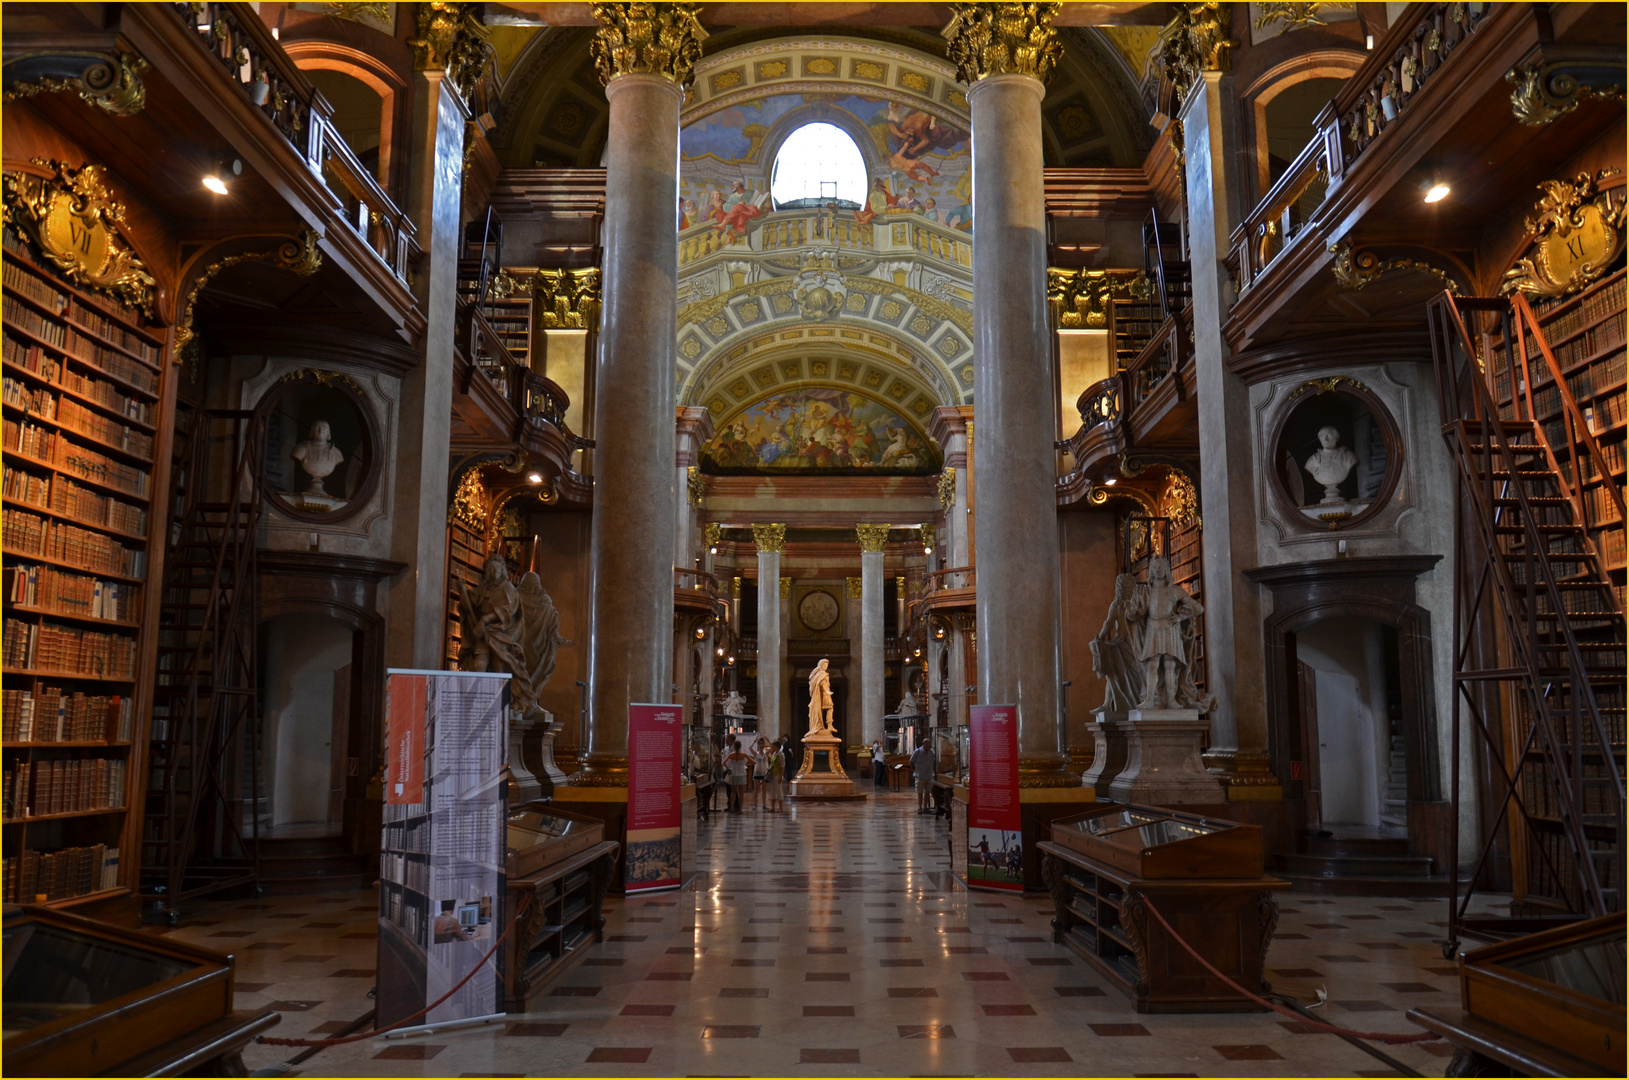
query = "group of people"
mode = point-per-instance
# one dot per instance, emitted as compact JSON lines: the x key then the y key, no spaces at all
{"x":752,"y":772}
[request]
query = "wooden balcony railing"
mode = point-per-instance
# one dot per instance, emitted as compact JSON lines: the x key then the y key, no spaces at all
{"x":1100,"y":403}
{"x":956,"y":577}
{"x":534,"y":397}
{"x":1164,"y":355}
{"x":253,"y":61}
{"x":1376,"y":98}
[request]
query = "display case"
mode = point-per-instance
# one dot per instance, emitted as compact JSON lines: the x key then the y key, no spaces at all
{"x":1545,"y":1004}
{"x":83,"y":998}
{"x":1152,"y":842}
{"x":541,"y":835}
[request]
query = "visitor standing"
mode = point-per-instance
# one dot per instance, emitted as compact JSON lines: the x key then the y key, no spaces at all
{"x":879,"y":763}
{"x":922,"y":766}
{"x":738,"y":763}
{"x":777,"y":778}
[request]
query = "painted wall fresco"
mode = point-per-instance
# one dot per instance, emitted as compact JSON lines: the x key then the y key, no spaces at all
{"x":819,"y":429}
{"x":926,"y":164}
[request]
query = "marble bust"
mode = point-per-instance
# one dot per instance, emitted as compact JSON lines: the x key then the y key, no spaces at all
{"x":318,"y":456}
{"x":1331,"y":464}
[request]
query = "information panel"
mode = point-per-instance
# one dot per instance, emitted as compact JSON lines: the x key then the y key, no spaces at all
{"x":995,"y":838}
{"x":441,"y":862}
{"x":653,"y":856}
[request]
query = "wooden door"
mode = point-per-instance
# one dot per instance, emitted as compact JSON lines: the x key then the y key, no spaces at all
{"x":1306,"y":690}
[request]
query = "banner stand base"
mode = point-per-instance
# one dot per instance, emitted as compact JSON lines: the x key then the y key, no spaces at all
{"x":446,"y":1025}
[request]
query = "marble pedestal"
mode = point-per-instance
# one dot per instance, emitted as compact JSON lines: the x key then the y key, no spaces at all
{"x":533,"y":773}
{"x":822,"y":775}
{"x":1110,"y":756}
{"x":1162,"y":760}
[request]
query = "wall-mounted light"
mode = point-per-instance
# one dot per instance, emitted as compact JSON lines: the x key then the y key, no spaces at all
{"x":732,"y":661}
{"x":927,"y":550}
{"x":701,"y":633}
{"x":713,"y":550}
{"x":221,"y":173}
{"x":721,"y":650}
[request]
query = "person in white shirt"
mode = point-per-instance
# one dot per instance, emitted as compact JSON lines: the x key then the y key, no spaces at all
{"x":923,"y":768}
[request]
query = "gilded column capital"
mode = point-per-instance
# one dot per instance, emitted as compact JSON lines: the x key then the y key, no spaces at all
{"x":769,"y":537}
{"x":648,"y":39}
{"x":712,"y":533}
{"x":568,"y":299}
{"x":872,"y":537}
{"x":450,"y":36}
{"x":1195,"y":40}
{"x":1002,"y":39}
{"x":856,"y":587}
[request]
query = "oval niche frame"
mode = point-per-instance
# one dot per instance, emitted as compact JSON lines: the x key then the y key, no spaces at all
{"x":1389,"y":431}
{"x":347,"y":388}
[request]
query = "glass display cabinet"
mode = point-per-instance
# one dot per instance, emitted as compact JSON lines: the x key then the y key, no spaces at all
{"x":1150,"y":842}
{"x":1544,"y":1004}
{"x":1110,"y":868}
{"x":83,"y":998}
{"x":560,"y":865}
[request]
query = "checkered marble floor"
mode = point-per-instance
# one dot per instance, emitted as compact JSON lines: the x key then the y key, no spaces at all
{"x":831,"y":940}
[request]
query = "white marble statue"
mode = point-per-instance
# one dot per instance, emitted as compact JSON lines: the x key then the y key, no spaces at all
{"x":510,"y":629}
{"x":1331,"y":464}
{"x":735,"y":703}
{"x":908,"y":706}
{"x":1116,"y":649}
{"x":1164,"y":614}
{"x":318,"y":456}
{"x":820,"y":703}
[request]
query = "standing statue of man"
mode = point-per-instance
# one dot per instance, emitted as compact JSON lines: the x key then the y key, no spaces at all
{"x":1163,"y":611}
{"x":820,"y":703}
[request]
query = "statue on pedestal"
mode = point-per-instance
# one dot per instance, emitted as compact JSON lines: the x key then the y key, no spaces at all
{"x":908,"y":706}
{"x":1331,"y":464}
{"x":1116,"y":652}
{"x":1163,"y":615}
{"x":513,"y":630}
{"x":820,"y":703}
{"x":735,"y":704}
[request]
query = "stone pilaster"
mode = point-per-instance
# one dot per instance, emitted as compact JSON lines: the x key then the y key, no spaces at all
{"x":770,"y":539}
{"x":644,"y":56}
{"x":1004,"y":52}
{"x":417,"y":601}
{"x":873,"y":538}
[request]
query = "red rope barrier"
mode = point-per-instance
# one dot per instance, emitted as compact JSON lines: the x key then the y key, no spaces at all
{"x":525,"y":904}
{"x":1392,"y":1038}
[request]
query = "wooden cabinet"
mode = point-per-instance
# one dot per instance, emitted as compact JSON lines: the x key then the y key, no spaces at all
{"x":1546,"y":1004}
{"x":562,"y":862}
{"x":1208,"y":885}
{"x":84,"y":403}
{"x":86,"y":999}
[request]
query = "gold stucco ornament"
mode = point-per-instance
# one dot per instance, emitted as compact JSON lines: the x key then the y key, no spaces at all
{"x":1577,"y":232}
{"x":71,"y":217}
{"x":1002,"y":39}
{"x":648,"y":39}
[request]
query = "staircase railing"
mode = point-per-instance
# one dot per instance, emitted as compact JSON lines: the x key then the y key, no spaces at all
{"x":1481,"y":441}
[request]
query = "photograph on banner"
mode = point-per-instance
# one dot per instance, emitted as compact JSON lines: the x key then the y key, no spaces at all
{"x":653,"y":857}
{"x":995,"y":844}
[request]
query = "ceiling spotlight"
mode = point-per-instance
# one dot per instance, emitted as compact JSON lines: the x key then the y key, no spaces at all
{"x":1436,"y":192}
{"x":224,"y":170}
{"x":1111,"y":481}
{"x":1368,"y":42}
{"x":536,"y":478}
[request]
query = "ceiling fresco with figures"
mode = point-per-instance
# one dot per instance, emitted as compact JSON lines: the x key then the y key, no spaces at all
{"x":820,"y":429}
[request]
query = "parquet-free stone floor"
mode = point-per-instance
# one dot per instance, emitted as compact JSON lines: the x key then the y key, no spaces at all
{"x":832,"y":940}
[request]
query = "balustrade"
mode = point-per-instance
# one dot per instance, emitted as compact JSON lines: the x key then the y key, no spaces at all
{"x":789,"y":229}
{"x":1373,"y":100}
{"x":256,"y":64}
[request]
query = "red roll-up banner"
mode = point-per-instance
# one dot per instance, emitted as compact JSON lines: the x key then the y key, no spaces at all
{"x":652,"y":858}
{"x":995,"y":836}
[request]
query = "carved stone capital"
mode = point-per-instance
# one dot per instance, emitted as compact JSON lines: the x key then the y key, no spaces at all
{"x":648,"y":39}
{"x":568,"y":299}
{"x":769,"y":537}
{"x":872,"y":537}
{"x":1002,"y":39}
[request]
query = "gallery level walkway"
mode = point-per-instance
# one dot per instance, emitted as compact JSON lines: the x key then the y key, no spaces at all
{"x":832,"y":941}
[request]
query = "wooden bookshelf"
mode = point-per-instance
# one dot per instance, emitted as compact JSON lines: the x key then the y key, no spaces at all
{"x":511,"y":321}
{"x":83,"y":398}
{"x":466,"y":555}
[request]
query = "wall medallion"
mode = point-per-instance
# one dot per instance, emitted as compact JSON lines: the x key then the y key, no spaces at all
{"x":818,"y":610}
{"x":1577,"y":232}
{"x":1337,"y":454}
{"x":71,"y":217}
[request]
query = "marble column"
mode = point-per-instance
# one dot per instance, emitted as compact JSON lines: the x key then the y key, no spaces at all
{"x":1014,"y":386}
{"x":1227,"y":467}
{"x":769,"y":539}
{"x":873,"y":538}
{"x":645,"y":62}
{"x":416,"y":603}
